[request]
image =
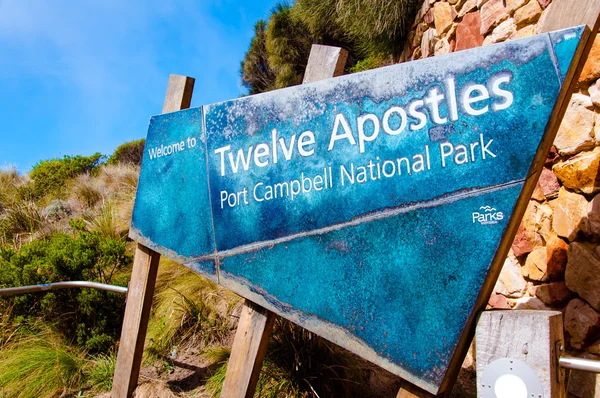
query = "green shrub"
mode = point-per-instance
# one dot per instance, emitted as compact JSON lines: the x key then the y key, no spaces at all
{"x":368,"y":29}
{"x":288,"y":44}
{"x":90,"y":318}
{"x":368,"y":63}
{"x":128,"y":153}
{"x":57,"y":210}
{"x":104,"y":221}
{"x":10,"y":182}
{"x":50,"y":176}
{"x":257,"y":75}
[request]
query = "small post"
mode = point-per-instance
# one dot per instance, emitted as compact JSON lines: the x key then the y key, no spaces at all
{"x":256,"y":323}
{"x":324,"y":62}
{"x":143,"y":277}
{"x":523,"y":344}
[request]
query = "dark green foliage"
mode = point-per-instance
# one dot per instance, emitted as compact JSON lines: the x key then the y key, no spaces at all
{"x":371,"y":30}
{"x":90,"y":318}
{"x":288,"y":46}
{"x":257,"y":75}
{"x":50,"y":176}
{"x":378,"y":27}
{"x":128,"y":153}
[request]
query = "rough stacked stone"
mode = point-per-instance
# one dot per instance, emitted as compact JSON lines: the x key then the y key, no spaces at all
{"x":580,"y":172}
{"x":575,"y":131}
{"x":468,"y":32}
{"x":554,"y":262}
{"x":570,"y":212}
{"x":591,"y":68}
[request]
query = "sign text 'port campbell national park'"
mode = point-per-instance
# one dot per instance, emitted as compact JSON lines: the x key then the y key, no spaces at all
{"x":371,"y":208}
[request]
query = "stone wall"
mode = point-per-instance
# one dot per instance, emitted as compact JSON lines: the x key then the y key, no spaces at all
{"x":554,"y":262}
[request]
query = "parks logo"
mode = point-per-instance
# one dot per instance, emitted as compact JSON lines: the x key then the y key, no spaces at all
{"x":487,"y":215}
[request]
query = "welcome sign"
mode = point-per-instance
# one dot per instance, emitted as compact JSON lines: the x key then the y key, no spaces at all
{"x":366,"y":208}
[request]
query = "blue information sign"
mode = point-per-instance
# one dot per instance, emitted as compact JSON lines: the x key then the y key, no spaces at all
{"x":366,"y":208}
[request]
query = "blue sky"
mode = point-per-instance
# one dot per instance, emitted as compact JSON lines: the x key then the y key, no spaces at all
{"x":78,"y":77}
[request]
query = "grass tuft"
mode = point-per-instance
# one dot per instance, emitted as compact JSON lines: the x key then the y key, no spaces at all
{"x":188,"y":309}
{"x":86,"y":190}
{"x":104,"y":221}
{"x":100,"y":371}
{"x":40,"y":366}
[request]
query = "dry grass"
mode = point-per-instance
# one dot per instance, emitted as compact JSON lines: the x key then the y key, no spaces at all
{"x":87,"y":190}
{"x":120,"y":178}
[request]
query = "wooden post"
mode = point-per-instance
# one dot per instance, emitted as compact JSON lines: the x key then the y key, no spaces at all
{"x":324,"y":62}
{"x":255,"y":325}
{"x":143,"y":277}
{"x":532,"y":338}
{"x":409,"y":390}
{"x":566,"y":13}
{"x":248,"y":351}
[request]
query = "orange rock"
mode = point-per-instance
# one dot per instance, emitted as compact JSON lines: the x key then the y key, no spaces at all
{"x":575,"y":131}
{"x":498,"y":301}
{"x":554,"y":293}
{"x":581,"y":172}
{"x":591,"y":68}
{"x":536,"y":265}
{"x":570,"y":211}
{"x":583,"y":273}
{"x":443,"y":14}
{"x":582,"y":324}
{"x":556,"y":254}
{"x":492,"y":13}
{"x":468,"y":32}
{"x":548,"y":183}
{"x":528,"y":14}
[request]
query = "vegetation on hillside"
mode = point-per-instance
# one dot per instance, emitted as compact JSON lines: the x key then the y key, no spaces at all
{"x":373,"y":31}
{"x":65,"y":342}
{"x":65,"y":220}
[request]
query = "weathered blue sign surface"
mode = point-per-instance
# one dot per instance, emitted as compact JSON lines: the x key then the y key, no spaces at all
{"x":366,"y":208}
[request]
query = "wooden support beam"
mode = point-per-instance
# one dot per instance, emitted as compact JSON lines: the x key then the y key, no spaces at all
{"x":143,"y":277}
{"x":135,"y":321}
{"x":531,"y":338}
{"x":179,"y":93}
{"x":256,"y":323}
{"x":248,"y":351}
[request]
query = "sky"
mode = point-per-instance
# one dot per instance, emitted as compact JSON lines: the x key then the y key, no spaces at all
{"x":79,"y":77}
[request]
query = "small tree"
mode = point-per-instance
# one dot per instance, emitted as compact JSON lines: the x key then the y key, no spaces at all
{"x":128,"y":153}
{"x":257,"y":75}
{"x":288,"y":46}
{"x":49,"y":176}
